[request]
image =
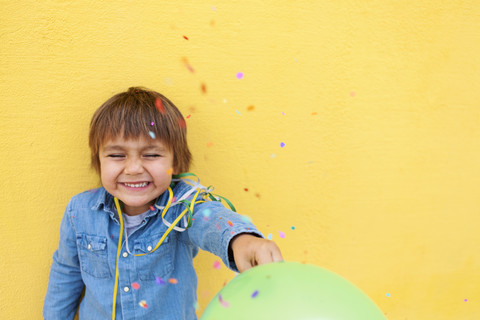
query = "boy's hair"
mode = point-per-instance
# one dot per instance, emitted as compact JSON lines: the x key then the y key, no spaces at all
{"x":131,"y":114}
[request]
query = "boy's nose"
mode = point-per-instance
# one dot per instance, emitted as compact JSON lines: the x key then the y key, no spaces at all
{"x":133,"y":166}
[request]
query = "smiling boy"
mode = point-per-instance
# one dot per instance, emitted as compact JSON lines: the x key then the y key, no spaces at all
{"x":145,"y":269}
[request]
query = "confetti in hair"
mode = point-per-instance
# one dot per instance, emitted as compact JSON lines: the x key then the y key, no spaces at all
{"x":159,"y":105}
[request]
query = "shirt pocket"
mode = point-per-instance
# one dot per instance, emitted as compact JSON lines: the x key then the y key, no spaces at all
{"x":93,"y":254}
{"x":158,"y":263}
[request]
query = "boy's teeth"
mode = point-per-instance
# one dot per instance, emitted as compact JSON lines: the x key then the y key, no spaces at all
{"x":137,"y":185}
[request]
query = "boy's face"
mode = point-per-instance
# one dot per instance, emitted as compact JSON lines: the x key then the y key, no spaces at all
{"x":135,"y":171}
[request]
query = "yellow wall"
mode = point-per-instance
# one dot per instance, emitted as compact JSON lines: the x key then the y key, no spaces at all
{"x":376,"y":101}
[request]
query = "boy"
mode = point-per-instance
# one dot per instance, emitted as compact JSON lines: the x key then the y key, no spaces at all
{"x":129,"y":245}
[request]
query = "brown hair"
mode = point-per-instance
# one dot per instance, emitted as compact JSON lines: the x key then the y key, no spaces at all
{"x":131,"y":114}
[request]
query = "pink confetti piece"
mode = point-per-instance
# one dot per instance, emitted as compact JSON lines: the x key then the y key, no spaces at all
{"x":159,"y":281}
{"x":281,"y":234}
{"x":135,"y":285}
{"x":152,"y":208}
{"x":216,"y":265}
{"x":240,"y":75}
{"x":224,"y":304}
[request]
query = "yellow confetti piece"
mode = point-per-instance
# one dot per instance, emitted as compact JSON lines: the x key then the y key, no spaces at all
{"x":143,"y":304}
{"x":170,"y":171}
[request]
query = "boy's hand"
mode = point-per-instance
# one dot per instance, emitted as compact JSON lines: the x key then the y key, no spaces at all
{"x":250,"y":251}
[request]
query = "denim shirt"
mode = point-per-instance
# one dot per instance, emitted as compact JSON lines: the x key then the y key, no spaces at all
{"x":160,"y":285}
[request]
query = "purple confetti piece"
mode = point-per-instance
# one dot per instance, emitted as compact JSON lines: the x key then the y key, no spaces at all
{"x":255,"y":293}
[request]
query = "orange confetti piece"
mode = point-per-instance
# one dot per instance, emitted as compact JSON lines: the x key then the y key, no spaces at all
{"x":185,"y":37}
{"x":230,"y":223}
{"x":173,"y":281}
{"x":159,"y":105}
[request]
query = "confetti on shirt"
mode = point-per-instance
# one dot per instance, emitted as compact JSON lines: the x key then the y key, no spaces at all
{"x":216,"y":265}
{"x":152,"y":208}
{"x":173,"y":281}
{"x":159,"y":281}
{"x":143,"y":304}
{"x":255,"y":293}
{"x":135,"y":285}
{"x":230,"y":223}
{"x":224,"y":303}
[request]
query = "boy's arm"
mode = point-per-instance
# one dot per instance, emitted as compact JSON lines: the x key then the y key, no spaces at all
{"x":65,"y":284}
{"x":214,"y":230}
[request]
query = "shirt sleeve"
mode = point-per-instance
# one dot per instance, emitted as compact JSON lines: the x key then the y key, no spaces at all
{"x":65,"y":283}
{"x":215,"y":226}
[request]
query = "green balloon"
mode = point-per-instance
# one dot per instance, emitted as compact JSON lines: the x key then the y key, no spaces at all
{"x":291,"y":290}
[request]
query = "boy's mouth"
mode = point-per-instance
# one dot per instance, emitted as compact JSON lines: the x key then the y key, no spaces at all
{"x":136,"y":184}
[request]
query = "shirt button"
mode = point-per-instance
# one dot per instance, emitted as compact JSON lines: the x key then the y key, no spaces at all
{"x":126,"y":289}
{"x":125,"y":254}
{"x":149,"y":248}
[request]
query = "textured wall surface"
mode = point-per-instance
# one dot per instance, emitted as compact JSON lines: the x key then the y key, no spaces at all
{"x":377,"y":103}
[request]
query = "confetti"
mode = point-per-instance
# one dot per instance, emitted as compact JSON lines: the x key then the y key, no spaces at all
{"x":224,"y":304}
{"x":293,"y":228}
{"x":152,"y":208}
{"x":465,"y":300}
{"x":281,"y":234}
{"x":188,"y":117}
{"x":352,"y":94}
{"x":189,"y":67}
{"x":204,"y":88}
{"x":159,"y":281}
{"x":314,"y":113}
{"x":159,"y":105}
{"x":216,"y":265}
{"x":250,"y":108}
{"x":151,"y":134}
{"x":206,"y":212}
{"x":246,"y":189}
{"x":388,"y":294}
{"x":173,"y":281}
{"x":182,"y":123}
{"x":218,"y":226}
{"x":143,"y":304}
{"x":230,"y":223}
{"x":283,"y":113}
{"x":152,"y":123}
{"x":135,"y":285}
{"x":185,"y":37}
{"x":282,"y":144}
{"x":255,"y":293}
{"x":238,"y":112}
{"x":209,"y":144}
{"x":246,"y":219}
{"x":240,"y":75}
{"x":170,"y":171}
{"x":269,"y":237}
